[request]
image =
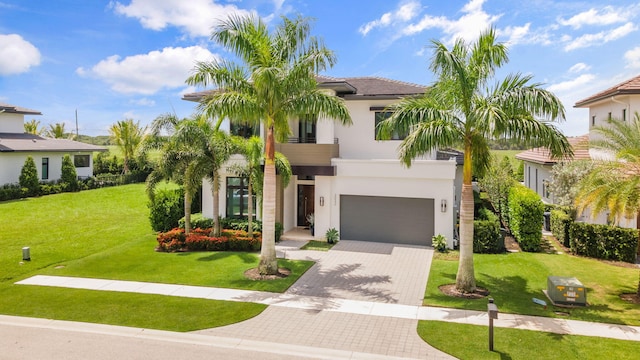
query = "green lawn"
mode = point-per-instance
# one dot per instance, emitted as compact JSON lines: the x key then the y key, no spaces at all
{"x":511,"y":154}
{"x":105,"y":233}
{"x":521,"y":344}
{"x":317,"y":245}
{"x":515,"y":278}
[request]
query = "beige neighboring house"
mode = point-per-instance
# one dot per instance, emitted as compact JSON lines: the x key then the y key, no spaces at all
{"x":16,"y":146}
{"x":351,"y":181}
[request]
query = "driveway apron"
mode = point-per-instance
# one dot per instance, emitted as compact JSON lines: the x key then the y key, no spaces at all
{"x":353,"y":270}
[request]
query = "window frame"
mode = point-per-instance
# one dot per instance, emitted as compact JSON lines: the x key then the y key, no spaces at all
{"x":231,"y":191}
{"x":379,"y":116}
{"x":45,"y":168}
{"x":81,"y":164}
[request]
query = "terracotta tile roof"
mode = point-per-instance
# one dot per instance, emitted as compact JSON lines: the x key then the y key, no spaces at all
{"x":352,"y":88}
{"x":631,"y":86}
{"x":10,"y":142}
{"x":580,"y":145}
{"x":12,"y":109}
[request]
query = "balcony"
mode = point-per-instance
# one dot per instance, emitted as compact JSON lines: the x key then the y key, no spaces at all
{"x":309,"y":154}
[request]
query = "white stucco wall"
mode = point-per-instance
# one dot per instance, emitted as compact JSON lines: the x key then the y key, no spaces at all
{"x":534,"y":177}
{"x":11,"y":123}
{"x":11,"y":164}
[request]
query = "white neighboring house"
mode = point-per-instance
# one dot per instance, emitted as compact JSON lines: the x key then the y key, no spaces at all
{"x":621,"y":102}
{"x":351,"y":181}
{"x":16,"y":146}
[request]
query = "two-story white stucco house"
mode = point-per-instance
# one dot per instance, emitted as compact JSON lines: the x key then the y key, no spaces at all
{"x":351,"y":181}
{"x":16,"y":146}
{"x":621,"y":101}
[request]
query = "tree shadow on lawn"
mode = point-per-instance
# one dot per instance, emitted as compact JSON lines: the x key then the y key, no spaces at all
{"x":247,"y":258}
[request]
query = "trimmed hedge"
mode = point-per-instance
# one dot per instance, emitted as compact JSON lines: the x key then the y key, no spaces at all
{"x":604,"y":241}
{"x":166,"y":209}
{"x":560,"y":225}
{"x":487,"y":238}
{"x":525,"y":217}
{"x":199,"y":240}
{"x":199,"y":221}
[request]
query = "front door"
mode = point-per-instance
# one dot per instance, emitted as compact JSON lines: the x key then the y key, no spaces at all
{"x":306,"y":196}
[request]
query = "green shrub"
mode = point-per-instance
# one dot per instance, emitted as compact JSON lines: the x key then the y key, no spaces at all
{"x":333,"y":235}
{"x":29,"y":179}
{"x":560,"y":225}
{"x":199,"y":240}
{"x":11,"y":192}
{"x":604,"y":241}
{"x":197,"y":221}
{"x":69,"y":175}
{"x":526,"y":217}
{"x":439,"y":242}
{"x":487,"y":238}
{"x":166,"y":209}
{"x":279,"y":231}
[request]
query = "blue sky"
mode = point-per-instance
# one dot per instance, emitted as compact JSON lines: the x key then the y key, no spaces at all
{"x":113,"y":60}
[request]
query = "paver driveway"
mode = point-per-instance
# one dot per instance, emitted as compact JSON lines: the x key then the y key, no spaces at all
{"x":354,"y":270}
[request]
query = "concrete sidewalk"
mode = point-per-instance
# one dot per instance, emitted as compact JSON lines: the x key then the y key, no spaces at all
{"x":345,"y":306}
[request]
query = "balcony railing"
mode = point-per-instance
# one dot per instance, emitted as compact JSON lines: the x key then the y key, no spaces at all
{"x":308,"y":140}
{"x":309,"y":154}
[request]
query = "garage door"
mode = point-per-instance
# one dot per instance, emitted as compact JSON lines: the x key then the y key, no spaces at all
{"x":386,"y":219}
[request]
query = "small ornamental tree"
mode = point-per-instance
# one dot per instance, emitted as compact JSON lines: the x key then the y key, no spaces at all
{"x":69,"y":176}
{"x":497,"y":181}
{"x":564,"y":177}
{"x":29,"y":178}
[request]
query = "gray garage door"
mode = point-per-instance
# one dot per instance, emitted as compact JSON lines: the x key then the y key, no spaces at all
{"x":386,"y":219}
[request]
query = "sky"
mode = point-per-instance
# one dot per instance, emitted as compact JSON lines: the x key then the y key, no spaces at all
{"x":114,"y":60}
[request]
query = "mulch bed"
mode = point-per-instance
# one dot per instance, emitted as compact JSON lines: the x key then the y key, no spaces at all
{"x":254,"y":274}
{"x":450,"y":290}
{"x":632,"y":298}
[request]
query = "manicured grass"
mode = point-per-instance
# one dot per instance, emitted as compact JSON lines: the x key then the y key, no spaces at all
{"x":317,"y":245}
{"x":515,"y":278}
{"x":521,"y":344}
{"x":105,"y":233}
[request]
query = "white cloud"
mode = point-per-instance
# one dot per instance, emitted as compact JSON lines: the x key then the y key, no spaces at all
{"x":467,"y":27}
{"x":195,"y":17}
{"x":579,"y":67}
{"x":633,"y":58}
{"x":605,"y":16}
{"x":515,"y":34}
{"x":405,"y":12}
{"x":576,"y":83}
{"x":143,"y":102}
{"x":149,"y":73}
{"x":17,"y":55}
{"x":600,"y":38}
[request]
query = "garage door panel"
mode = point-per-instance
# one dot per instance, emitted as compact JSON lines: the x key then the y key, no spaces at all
{"x":386,"y":219}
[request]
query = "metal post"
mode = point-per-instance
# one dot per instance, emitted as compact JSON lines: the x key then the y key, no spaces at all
{"x":492,"y":311}
{"x":26,"y":253}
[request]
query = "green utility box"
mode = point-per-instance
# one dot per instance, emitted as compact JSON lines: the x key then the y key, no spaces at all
{"x":566,"y":291}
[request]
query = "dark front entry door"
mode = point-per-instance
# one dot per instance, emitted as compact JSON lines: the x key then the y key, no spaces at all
{"x":306,"y":195}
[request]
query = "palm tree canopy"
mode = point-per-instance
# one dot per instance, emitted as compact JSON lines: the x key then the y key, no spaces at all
{"x":463,"y":109}
{"x":128,"y":136}
{"x":614,"y":186}
{"x":276,"y":80}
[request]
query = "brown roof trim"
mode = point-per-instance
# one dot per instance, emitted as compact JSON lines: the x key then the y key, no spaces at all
{"x":579,"y":144}
{"x":630,"y":86}
{"x":12,"y":109}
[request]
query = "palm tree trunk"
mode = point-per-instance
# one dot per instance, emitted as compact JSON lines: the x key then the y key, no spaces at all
{"x":187,"y":211}
{"x":250,"y":209}
{"x":268,"y":261}
{"x":216,"y":205}
{"x":465,"y":279}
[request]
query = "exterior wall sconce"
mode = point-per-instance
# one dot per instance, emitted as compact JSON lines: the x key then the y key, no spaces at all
{"x":443,"y":205}
{"x":321,"y":200}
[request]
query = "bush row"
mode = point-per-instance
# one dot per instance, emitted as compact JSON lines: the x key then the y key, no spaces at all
{"x":199,"y":240}
{"x":487,"y":238}
{"x":15,"y":191}
{"x":560,"y":225}
{"x":525,"y":217}
{"x":199,"y":221}
{"x":604,"y":241}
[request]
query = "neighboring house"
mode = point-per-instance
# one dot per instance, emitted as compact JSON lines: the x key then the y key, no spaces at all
{"x":16,"y":146}
{"x":621,"y":102}
{"x":538,"y":163}
{"x":351,"y":181}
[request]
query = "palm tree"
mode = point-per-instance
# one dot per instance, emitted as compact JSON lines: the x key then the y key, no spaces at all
{"x":175,"y":160}
{"x":274,"y":82}
{"x":57,"y":131}
{"x":33,"y":127}
{"x":209,"y":148}
{"x":462,"y":109}
{"x":614,"y":186}
{"x":127,"y":135}
{"x":253,"y":151}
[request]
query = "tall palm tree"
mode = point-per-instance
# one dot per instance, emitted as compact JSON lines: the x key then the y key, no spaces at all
{"x":175,"y":160}
{"x":274,"y":82}
{"x":614,"y":186}
{"x":127,"y":135}
{"x":463,"y":109}
{"x":33,"y":127}
{"x":253,"y":151}
{"x":209,"y":148}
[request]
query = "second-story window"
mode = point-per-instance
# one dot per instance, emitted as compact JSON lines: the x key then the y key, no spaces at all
{"x":383,"y":115}
{"x":244,"y":130}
